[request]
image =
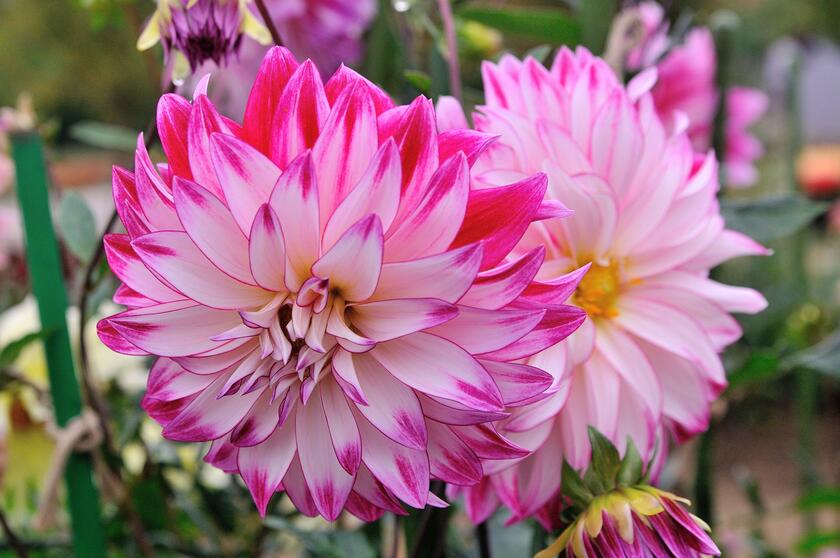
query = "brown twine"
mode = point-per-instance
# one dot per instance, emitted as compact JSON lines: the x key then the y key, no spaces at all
{"x":82,"y":433}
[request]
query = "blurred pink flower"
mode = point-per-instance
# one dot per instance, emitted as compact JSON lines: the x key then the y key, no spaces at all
{"x":647,"y":227}
{"x":11,"y":239}
{"x":7,"y":172}
{"x":686,"y":96}
{"x":329,"y":300}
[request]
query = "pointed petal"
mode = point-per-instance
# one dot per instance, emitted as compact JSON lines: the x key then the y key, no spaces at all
{"x":437,"y":367}
{"x":352,"y":265}
{"x":481,"y":331}
{"x":343,"y":430}
{"x":450,"y":459}
{"x":267,"y":250}
{"x":173,"y":116}
{"x":277,"y":67}
{"x":263,"y":466}
{"x":204,"y":121}
{"x":207,"y":417}
{"x":388,"y":319}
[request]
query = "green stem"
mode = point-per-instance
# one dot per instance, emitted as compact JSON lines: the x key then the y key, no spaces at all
{"x":48,"y":287}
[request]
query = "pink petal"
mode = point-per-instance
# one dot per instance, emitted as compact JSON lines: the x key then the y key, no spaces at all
{"x":495,"y":288}
{"x":437,"y":367}
{"x":344,"y":77}
{"x":277,"y":67}
{"x":404,"y":471}
{"x":296,"y":488}
{"x":489,"y":217}
{"x":126,"y":265}
{"x":173,"y":329}
{"x":299,"y":117}
{"x":295,"y":201}
{"x":328,"y":482}
{"x":487,"y":443}
{"x":346,"y":376}
{"x":263,"y":466}
{"x":177,"y":260}
{"x":267,"y":250}
{"x":481,"y":331}
{"x":470,"y":142}
{"x":377,"y":192}
{"x":450,"y":459}
{"x":559,"y":322}
{"x":431,"y":227}
{"x":352,"y":265}
{"x":388,"y":319}
{"x":207,"y":417}
{"x":450,"y":115}
{"x":213,"y":229}
{"x":246,"y":177}
{"x":169,"y":381}
{"x":446,"y":276}
{"x":204,"y":121}
{"x":173,"y":116}
{"x":345,"y":147}
{"x":343,"y":430}
{"x":260,"y":422}
{"x":517,"y":382}
{"x":392,"y":406}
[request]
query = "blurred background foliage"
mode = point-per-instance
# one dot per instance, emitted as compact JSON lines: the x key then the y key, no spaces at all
{"x":775,"y":442}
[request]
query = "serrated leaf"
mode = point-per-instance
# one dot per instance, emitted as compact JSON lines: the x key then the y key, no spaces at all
{"x":771,"y":218}
{"x":573,"y":486}
{"x":632,"y":466}
{"x":77,"y":226}
{"x":553,"y":26}
{"x":10,"y":353}
{"x":823,"y":357}
{"x":605,"y":458}
{"x":105,"y":136}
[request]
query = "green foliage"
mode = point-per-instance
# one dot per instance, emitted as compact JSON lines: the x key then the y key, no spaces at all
{"x":326,"y":544}
{"x":105,"y":136}
{"x":10,"y":353}
{"x":823,"y":357}
{"x":772,"y":218}
{"x":595,"y":17}
{"x":77,"y":226}
{"x":553,"y":26}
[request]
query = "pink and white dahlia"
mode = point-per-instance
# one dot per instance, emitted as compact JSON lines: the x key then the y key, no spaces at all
{"x":330,"y":303}
{"x":195,"y":31}
{"x":686,"y":95}
{"x":646,"y":230}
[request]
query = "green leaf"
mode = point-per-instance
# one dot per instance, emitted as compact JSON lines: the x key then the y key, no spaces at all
{"x":605,"y":458}
{"x":827,"y":496}
{"x":632,"y":466}
{"x":384,"y":62}
{"x":105,"y":136}
{"x":574,"y":487}
{"x":823,"y":357}
{"x":10,"y":353}
{"x":540,"y":53}
{"x":811,"y":543}
{"x":772,"y":218}
{"x":419,"y":80}
{"x":595,"y":17}
{"x":77,"y":226}
{"x":553,"y":26}
{"x":759,"y":367}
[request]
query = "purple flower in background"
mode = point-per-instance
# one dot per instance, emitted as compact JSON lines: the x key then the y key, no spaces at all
{"x":196,"y":31}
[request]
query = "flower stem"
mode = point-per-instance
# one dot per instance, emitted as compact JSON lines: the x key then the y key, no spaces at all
{"x":452,"y":48}
{"x":483,"y":536}
{"x":269,"y":23}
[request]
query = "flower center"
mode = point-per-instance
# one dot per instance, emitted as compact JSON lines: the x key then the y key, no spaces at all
{"x":598,"y":291}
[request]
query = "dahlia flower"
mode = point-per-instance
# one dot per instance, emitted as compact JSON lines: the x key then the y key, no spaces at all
{"x":635,"y":521}
{"x":330,"y":303}
{"x":194,"y":31}
{"x":685,"y":90}
{"x":646,"y":230}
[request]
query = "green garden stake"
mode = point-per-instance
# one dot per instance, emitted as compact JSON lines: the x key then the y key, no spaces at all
{"x":48,"y":287}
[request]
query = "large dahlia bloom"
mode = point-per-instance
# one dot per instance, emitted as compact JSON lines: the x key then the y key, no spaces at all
{"x":329,"y":300}
{"x":686,"y":95}
{"x":195,"y":31}
{"x":647,"y":227}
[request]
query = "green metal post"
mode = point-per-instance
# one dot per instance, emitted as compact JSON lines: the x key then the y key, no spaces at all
{"x":48,"y":287}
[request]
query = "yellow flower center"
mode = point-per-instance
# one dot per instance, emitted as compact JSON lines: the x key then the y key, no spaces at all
{"x":598,"y":291}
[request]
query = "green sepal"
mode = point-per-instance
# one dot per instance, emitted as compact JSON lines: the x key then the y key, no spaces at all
{"x":574,"y":488}
{"x":632,"y":467}
{"x":605,"y":459}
